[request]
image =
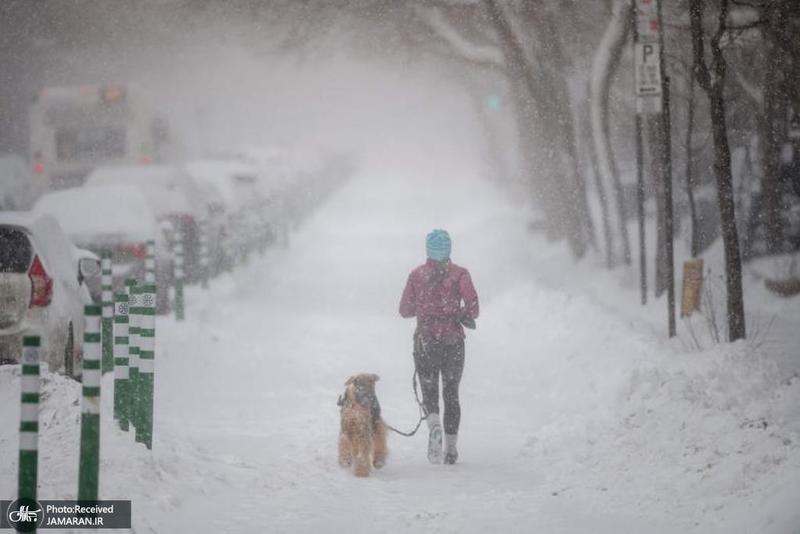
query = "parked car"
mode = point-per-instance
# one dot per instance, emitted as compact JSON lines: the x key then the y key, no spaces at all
{"x":250,"y":217}
{"x":43,"y":289}
{"x":222,"y":246}
{"x":19,"y":187}
{"x":172,"y":196}
{"x":116,"y":219}
{"x":273,"y":180}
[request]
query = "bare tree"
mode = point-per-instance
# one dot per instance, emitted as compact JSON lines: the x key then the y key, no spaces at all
{"x":770,"y":135}
{"x":711,"y":78}
{"x":780,"y":22}
{"x":545,"y":97}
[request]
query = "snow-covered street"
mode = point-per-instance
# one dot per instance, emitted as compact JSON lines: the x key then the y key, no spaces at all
{"x":576,"y":416}
{"x":221,"y":220}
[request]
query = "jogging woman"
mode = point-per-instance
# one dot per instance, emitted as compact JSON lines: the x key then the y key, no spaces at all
{"x":441,"y":296}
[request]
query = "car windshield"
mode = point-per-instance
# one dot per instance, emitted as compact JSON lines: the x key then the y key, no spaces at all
{"x":15,"y":251}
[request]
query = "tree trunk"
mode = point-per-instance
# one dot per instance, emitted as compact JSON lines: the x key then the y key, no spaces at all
{"x":712,"y":80}
{"x":557,"y":191}
{"x":573,"y":190}
{"x":602,"y":198}
{"x":554,"y":107}
{"x":605,"y":62}
{"x":771,"y":140}
{"x":730,"y":235}
{"x":584,"y":160}
{"x":694,"y":230}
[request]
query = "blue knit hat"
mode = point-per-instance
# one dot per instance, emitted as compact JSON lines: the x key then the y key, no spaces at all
{"x":437,"y":245}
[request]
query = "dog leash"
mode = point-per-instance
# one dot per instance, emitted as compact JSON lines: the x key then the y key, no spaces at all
{"x":423,"y":413}
{"x":419,"y":348}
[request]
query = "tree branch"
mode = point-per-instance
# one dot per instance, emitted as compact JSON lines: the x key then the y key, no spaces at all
{"x":698,"y":44}
{"x":745,"y":27}
{"x":717,"y":59}
{"x":445,"y":31}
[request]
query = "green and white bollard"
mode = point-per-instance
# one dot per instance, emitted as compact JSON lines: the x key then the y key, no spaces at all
{"x":133,"y":348}
{"x":150,"y":263}
{"x":121,"y":358}
{"x":108,"y":313}
{"x":29,"y":419}
{"x":203,"y":228}
{"x":89,"y":466}
{"x":129,"y":283}
{"x":147,"y":353}
{"x":178,"y":275}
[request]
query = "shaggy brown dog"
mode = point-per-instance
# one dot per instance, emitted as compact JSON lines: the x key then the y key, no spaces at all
{"x":362,"y":436}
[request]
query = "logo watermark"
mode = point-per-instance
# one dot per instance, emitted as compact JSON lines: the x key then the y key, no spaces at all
{"x":27,"y":515}
{"x":24,"y":515}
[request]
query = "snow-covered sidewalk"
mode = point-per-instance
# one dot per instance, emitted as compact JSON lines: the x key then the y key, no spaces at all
{"x":577,"y":415}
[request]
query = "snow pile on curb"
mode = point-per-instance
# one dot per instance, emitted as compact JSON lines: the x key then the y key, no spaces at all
{"x":710,"y":438}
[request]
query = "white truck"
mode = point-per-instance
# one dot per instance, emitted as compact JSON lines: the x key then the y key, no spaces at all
{"x":75,"y":129}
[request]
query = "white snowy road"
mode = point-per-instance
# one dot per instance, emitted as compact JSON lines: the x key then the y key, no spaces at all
{"x":298,"y":324}
{"x":575,"y":418}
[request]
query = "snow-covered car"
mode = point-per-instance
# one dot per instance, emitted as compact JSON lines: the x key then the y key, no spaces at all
{"x":249,"y":222}
{"x":114,"y":219}
{"x":171,"y":195}
{"x":43,"y":289}
{"x":296,"y":179}
{"x":275,"y":178}
{"x":222,"y":247}
{"x":19,"y":187}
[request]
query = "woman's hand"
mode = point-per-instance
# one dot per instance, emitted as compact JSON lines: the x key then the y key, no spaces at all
{"x":465,"y":319}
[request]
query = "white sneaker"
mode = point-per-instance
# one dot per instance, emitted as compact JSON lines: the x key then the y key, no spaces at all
{"x":434,"y":439}
{"x":450,"y":451}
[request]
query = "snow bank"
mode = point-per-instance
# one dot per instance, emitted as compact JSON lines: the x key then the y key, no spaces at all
{"x":691,"y":429}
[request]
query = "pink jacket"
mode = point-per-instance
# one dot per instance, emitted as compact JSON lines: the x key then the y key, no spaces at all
{"x":438,"y":306}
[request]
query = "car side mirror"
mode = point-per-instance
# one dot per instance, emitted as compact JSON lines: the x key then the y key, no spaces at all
{"x":88,"y":268}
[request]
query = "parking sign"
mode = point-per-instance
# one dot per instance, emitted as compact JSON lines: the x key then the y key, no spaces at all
{"x":647,"y":77}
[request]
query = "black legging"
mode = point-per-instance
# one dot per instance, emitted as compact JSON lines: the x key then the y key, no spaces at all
{"x":435,"y":357}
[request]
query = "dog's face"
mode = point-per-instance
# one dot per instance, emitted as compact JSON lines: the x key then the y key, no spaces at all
{"x":361,"y":388}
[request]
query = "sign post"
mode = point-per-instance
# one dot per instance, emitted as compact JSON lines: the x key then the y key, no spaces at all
{"x":652,"y":98}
